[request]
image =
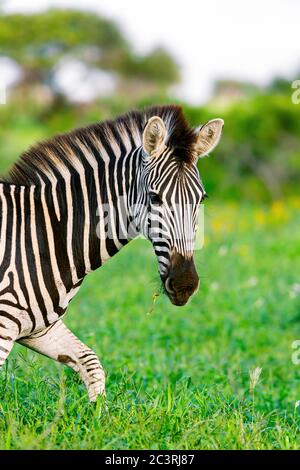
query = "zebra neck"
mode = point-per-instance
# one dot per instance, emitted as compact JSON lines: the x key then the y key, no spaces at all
{"x":85,"y":209}
{"x":81,"y":183}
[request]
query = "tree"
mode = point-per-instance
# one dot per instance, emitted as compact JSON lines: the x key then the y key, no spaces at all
{"x":39,"y":41}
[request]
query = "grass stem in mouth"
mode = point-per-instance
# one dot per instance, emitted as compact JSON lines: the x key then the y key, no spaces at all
{"x":154,"y":300}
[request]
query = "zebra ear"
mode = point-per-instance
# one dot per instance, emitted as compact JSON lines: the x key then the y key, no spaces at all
{"x":208,"y":136}
{"x":154,"y":135}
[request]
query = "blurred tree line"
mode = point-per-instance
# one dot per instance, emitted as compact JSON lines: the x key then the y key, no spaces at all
{"x":259,"y":156}
{"x":38,"y":42}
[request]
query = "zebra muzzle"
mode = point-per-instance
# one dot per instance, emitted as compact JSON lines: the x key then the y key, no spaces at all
{"x":182,"y":280}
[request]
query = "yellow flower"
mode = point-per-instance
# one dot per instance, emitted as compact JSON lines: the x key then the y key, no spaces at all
{"x":279,"y":212}
{"x":260,"y":217}
{"x":217,"y":225}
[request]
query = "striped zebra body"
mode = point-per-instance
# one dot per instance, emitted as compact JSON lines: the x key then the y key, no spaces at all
{"x":32,"y":284}
{"x":65,"y":210}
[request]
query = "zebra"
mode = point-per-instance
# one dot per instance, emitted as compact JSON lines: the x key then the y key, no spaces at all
{"x":71,"y":203}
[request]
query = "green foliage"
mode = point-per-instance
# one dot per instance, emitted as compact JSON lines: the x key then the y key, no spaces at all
{"x":259,"y":154}
{"x":258,"y":158}
{"x":39,"y":41}
{"x":178,"y":378}
{"x":158,"y":66}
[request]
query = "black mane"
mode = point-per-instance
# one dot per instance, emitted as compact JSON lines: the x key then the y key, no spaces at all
{"x":44,"y":156}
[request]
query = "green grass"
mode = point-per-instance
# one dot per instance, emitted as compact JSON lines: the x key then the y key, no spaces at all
{"x":179,"y":377}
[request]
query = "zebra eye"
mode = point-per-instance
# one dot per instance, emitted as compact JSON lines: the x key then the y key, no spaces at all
{"x":155,"y":199}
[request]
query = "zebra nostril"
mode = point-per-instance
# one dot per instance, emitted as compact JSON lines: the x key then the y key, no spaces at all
{"x":169,"y":285}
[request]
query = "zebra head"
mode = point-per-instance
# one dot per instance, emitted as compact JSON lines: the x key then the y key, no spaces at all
{"x":171,"y":190}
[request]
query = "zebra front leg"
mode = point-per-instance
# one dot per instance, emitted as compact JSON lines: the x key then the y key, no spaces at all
{"x":8,"y":335}
{"x":59,"y":343}
{"x":6,"y":344}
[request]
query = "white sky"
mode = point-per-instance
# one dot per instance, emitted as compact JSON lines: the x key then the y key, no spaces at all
{"x":211,"y":39}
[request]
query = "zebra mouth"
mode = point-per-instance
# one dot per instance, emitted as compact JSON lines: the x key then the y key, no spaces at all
{"x":179,"y":303}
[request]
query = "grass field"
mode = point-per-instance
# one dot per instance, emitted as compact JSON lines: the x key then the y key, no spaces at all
{"x":177,"y":377}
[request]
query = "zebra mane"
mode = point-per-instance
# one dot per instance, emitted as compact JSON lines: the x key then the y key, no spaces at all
{"x":63,"y":149}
